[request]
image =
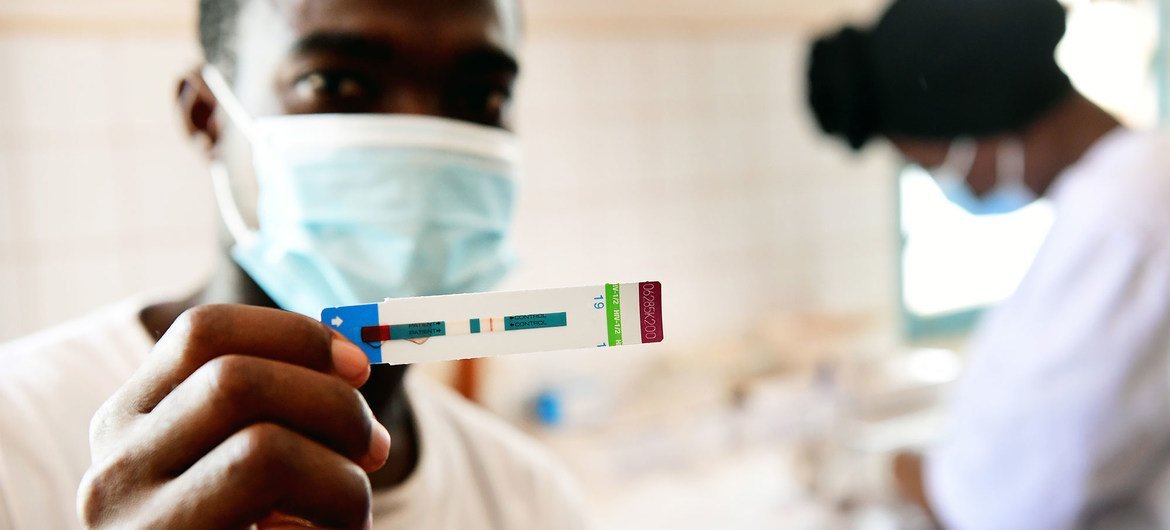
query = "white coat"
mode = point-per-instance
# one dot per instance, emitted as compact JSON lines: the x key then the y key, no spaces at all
{"x":1062,"y":418}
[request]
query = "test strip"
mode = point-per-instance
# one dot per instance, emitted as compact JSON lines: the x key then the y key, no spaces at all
{"x":444,"y":328}
{"x":426,"y":330}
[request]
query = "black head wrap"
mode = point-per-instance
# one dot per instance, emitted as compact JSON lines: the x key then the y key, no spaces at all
{"x":940,"y":69}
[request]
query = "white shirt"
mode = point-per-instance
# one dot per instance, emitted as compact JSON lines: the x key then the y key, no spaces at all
{"x":474,"y":471}
{"x":1062,"y":418}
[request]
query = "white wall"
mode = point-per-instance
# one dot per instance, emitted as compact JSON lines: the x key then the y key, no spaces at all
{"x":99,"y":195}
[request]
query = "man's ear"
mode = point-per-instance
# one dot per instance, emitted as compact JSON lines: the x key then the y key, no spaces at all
{"x":196,"y":106}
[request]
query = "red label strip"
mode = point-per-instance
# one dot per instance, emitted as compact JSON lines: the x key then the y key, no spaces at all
{"x":650,"y":310}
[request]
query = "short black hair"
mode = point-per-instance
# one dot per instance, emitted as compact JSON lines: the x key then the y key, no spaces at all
{"x":218,"y":20}
{"x":940,"y":69}
{"x":217,"y":27}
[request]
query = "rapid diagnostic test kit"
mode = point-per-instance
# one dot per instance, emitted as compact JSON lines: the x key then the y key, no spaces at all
{"x":465,"y":326}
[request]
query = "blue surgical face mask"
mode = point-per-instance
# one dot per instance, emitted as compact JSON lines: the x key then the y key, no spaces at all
{"x":356,"y":208}
{"x":1009,"y":194}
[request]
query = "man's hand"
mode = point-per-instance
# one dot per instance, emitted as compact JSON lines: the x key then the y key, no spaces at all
{"x":238,"y":414}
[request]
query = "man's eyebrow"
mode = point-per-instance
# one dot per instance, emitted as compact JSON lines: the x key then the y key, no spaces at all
{"x":349,"y":44}
{"x":488,"y":59}
{"x":484,"y":59}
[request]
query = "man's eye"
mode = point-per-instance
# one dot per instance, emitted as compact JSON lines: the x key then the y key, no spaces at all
{"x":331,"y":86}
{"x":484,"y":104}
{"x":495,"y":101}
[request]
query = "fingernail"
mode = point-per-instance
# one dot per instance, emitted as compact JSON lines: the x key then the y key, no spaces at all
{"x":379,"y":447}
{"x":370,"y":521}
{"x":350,"y":362}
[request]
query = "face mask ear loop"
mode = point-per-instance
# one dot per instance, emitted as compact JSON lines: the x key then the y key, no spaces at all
{"x":1009,"y":163}
{"x":228,"y":208}
{"x":228,"y":101}
{"x":961,"y":157}
{"x":220,"y":179}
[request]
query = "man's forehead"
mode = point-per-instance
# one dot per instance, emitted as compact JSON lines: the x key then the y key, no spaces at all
{"x":443,"y":22}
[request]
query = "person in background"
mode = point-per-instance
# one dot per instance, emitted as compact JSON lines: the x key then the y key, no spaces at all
{"x":360,"y":149}
{"x":1062,"y":417}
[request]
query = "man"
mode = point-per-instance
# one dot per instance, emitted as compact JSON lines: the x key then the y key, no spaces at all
{"x":360,"y":149}
{"x":1060,"y":420}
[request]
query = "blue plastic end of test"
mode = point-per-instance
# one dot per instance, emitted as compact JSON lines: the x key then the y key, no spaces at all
{"x":349,"y":321}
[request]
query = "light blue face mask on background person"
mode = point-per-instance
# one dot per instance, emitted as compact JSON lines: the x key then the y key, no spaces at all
{"x":1009,"y":194}
{"x":354,"y":208}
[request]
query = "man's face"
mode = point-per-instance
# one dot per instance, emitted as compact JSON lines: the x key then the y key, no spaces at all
{"x":448,"y":58}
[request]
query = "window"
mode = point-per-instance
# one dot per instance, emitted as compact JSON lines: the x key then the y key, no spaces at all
{"x":946,"y":274}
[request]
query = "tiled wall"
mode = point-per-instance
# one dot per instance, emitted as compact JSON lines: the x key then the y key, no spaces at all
{"x":676,"y":152}
{"x":100,"y":197}
{"x":690,"y":158}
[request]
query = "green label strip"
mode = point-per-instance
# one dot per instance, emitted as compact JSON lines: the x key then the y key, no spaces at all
{"x":613,"y":308}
